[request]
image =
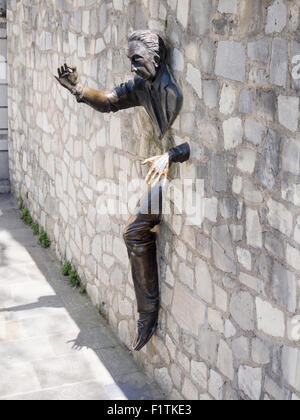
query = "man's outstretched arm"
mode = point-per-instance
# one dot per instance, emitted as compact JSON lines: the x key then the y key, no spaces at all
{"x":102,"y":101}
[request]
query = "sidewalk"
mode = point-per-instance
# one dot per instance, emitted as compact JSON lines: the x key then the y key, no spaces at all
{"x":54,"y":345}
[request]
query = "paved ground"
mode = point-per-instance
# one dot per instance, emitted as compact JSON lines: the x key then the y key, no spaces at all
{"x":53,"y":342}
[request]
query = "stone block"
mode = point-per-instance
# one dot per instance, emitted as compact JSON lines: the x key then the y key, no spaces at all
{"x":199,"y":373}
{"x":293,"y":257}
{"x":206,"y":55}
{"x":246,"y":160}
{"x":269,"y":162}
{"x":227,"y":6}
{"x":266,"y":104}
{"x":193,"y":77}
{"x":246,"y":101}
{"x":280,"y":218}
{"x":228,"y":99}
{"x":261,"y":353}
{"x":204,"y":285}
{"x":250,"y":382}
{"x":188,"y":311}
{"x":276,"y":17}
{"x":222,"y":250}
{"x":252,"y":193}
{"x":233,"y":133}
{"x":244,"y":258}
{"x":253,"y":132}
{"x":231,"y":60}
{"x":200,"y":16}
{"x":254,"y":230}
{"x":210,"y":93}
{"x":215,"y":386}
{"x":291,"y":156}
{"x":183,"y":12}
{"x":225,"y":360}
{"x":284,"y":287}
{"x":269,"y":319}
{"x":242,"y":310}
{"x":259,"y":50}
{"x":279,"y":62}
{"x":208,"y":345}
{"x":288,"y":112}
{"x":291,"y":366}
{"x":218,"y":174}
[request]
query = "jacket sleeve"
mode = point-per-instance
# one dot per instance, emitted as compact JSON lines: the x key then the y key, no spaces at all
{"x":180,"y":153}
{"x":122,"y":97}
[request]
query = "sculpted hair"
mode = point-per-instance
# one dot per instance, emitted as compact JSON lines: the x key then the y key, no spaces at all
{"x":153,"y":42}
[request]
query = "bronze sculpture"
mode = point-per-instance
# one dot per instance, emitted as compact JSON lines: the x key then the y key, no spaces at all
{"x":156,"y":90}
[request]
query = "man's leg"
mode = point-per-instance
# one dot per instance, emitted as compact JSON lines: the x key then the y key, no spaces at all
{"x":141,"y":246}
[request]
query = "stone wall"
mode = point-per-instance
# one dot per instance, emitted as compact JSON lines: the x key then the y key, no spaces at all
{"x":4,"y":174}
{"x":229,"y":320}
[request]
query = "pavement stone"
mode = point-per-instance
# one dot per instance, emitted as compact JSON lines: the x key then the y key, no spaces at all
{"x":54,"y":344}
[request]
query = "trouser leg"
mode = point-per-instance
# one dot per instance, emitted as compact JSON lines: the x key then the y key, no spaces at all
{"x":141,"y":246}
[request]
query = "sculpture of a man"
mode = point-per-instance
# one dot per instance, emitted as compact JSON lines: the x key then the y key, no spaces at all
{"x":155,"y":89}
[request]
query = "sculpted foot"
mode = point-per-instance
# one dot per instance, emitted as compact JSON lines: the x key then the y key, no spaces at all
{"x":147,"y":326}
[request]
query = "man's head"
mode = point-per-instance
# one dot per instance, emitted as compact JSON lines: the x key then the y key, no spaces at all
{"x":146,"y":51}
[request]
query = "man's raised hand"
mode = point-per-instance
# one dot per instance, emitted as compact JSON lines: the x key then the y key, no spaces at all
{"x":67,"y":77}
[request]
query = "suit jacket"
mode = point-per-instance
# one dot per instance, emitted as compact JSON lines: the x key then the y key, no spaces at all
{"x":162,"y":99}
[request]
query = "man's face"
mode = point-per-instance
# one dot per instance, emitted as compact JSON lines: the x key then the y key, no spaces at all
{"x":142,"y":62}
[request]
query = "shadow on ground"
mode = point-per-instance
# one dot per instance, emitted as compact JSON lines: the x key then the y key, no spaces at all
{"x":120,"y":377}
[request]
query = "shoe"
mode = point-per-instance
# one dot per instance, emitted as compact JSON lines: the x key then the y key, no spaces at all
{"x":147,"y":326}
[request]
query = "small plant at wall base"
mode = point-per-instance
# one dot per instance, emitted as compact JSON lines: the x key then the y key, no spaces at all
{"x":75,"y":281}
{"x":26,"y":217}
{"x":44,"y":241}
{"x":66,"y":269}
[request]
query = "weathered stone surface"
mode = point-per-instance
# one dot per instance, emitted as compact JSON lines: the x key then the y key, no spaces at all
{"x":246,"y":101}
{"x":291,"y":156}
{"x":242,"y":310}
{"x":266,"y":104}
{"x":231,"y":60}
{"x":284,"y":287}
{"x":259,"y":50}
{"x":246,"y":160}
{"x":233,"y":133}
{"x":225,"y":360}
{"x":260,"y":352}
{"x":269,"y":319}
{"x":250,"y":382}
{"x":199,"y":373}
{"x":253,"y":131}
{"x":200,"y":16}
{"x":288,"y":112}
{"x":254,"y":230}
{"x":227,"y":6}
{"x":228,"y":99}
{"x":204,"y":285}
{"x":279,"y":62}
{"x":291,"y":366}
{"x":216,"y":384}
{"x":194,"y":78}
{"x":222,"y":250}
{"x":188,"y":311}
{"x":218,"y":174}
{"x":276,"y":17}
{"x":269,"y":162}
{"x":210,"y":93}
{"x":279,"y":217}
